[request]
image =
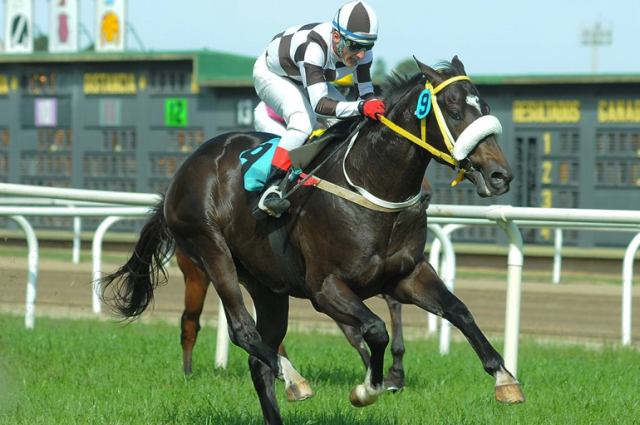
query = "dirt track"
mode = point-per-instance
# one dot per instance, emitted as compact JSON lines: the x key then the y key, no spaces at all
{"x":565,"y":311}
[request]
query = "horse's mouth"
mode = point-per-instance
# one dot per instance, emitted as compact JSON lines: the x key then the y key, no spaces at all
{"x":496,"y":184}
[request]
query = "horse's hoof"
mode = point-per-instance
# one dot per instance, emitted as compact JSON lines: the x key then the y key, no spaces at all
{"x":299,"y":391}
{"x":394,"y":389}
{"x":394,"y":385}
{"x":509,"y":393}
{"x":360,"y":398}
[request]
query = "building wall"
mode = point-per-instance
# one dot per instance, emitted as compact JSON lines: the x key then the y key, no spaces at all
{"x":123,"y":126}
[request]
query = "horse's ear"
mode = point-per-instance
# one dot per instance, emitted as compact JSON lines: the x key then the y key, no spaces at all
{"x":432,"y":75}
{"x":457,"y":64}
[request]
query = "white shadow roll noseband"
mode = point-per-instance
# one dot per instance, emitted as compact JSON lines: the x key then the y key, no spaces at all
{"x":478,"y":130}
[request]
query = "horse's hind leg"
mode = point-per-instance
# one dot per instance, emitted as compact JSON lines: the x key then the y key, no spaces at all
{"x":272,"y":313}
{"x":207,"y":245}
{"x":196,"y":284}
{"x":425,"y":289}
{"x":210,"y":249}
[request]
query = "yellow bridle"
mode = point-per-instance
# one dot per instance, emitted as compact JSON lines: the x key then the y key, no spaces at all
{"x":422,"y":141}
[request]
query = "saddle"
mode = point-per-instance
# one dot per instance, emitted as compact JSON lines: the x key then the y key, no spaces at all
{"x":256,"y":162}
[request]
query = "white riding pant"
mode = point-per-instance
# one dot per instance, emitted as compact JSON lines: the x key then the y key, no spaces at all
{"x":262,"y":121}
{"x":287,"y":99}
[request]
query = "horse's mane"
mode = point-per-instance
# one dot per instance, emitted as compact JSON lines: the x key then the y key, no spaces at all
{"x":446,"y":68}
{"x":395,"y":85}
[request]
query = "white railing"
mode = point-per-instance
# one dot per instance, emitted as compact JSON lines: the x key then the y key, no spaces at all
{"x":77,"y":221}
{"x":506,"y":217}
{"x":18,"y":214}
{"x":126,"y":198}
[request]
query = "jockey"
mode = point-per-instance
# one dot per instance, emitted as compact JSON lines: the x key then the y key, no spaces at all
{"x":292,"y":77}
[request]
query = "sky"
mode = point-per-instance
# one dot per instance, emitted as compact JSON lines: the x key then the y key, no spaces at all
{"x":491,"y":37}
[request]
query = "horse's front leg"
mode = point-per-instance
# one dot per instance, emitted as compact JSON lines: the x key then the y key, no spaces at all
{"x":394,"y":381}
{"x":339,"y":302}
{"x":426,"y":290}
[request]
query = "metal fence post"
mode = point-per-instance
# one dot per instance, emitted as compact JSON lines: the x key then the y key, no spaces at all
{"x":32,"y":274}
{"x":514,"y":292}
{"x":627,"y":280}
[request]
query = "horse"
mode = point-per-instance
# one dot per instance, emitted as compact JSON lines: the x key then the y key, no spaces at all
{"x":328,"y":250}
{"x":196,"y":287}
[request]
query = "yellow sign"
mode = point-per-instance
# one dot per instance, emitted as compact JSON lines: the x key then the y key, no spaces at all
{"x":109,"y":83}
{"x":195,"y":87}
{"x":620,"y":110}
{"x":547,"y":168}
{"x":546,"y":111}
{"x":142,"y":82}
{"x":110,"y":29}
{"x":4,"y":84}
{"x":546,"y":137}
{"x":546,"y":201}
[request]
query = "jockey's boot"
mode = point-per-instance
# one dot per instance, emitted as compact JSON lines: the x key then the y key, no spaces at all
{"x":271,"y":200}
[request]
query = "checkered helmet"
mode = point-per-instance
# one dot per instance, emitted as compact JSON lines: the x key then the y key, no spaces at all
{"x":356,"y":21}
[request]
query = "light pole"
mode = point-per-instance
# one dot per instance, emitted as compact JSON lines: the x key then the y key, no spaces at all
{"x":594,"y":36}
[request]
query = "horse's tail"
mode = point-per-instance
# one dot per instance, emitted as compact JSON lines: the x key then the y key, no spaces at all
{"x":131,"y":287}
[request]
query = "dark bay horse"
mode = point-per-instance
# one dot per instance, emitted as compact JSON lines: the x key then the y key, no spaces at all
{"x":334,"y":252}
{"x":197,"y":285}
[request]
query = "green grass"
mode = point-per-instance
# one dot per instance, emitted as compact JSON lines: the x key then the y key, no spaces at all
{"x":96,"y":372}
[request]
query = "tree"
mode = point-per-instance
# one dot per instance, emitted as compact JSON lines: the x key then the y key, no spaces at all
{"x":379,"y":70}
{"x":41,"y":43}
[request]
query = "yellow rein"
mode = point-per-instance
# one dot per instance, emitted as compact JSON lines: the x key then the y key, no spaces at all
{"x":422,"y":142}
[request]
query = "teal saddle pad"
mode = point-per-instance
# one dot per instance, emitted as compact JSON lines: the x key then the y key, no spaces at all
{"x":256,"y":164}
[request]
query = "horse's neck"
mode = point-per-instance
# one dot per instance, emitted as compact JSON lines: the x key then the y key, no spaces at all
{"x":386,"y":164}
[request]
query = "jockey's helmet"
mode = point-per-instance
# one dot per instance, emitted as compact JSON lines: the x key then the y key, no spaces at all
{"x":357,"y":24}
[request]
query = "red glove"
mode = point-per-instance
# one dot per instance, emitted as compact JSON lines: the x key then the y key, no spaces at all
{"x":372,"y":108}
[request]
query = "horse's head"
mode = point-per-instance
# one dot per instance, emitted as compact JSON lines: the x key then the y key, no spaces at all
{"x":468,"y":133}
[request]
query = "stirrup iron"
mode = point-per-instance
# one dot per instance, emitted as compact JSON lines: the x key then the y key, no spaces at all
{"x":261,"y":205}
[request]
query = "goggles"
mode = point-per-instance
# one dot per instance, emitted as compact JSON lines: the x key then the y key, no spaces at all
{"x":354,"y":46}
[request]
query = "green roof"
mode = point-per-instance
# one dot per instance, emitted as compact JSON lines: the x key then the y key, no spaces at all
{"x":536,"y":79}
{"x":210,"y":68}
{"x":215,"y":69}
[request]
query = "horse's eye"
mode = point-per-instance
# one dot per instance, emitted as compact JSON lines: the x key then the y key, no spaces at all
{"x":484,"y":108}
